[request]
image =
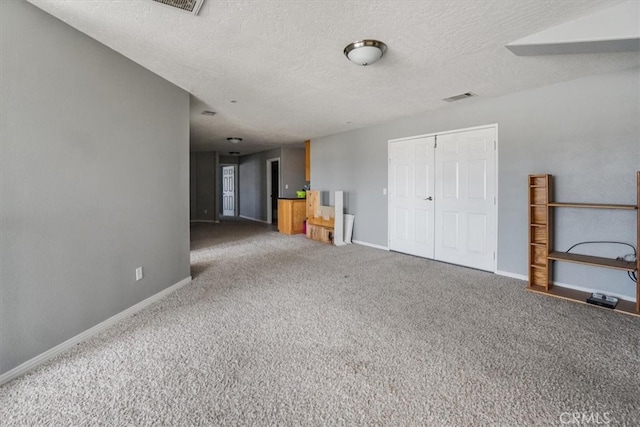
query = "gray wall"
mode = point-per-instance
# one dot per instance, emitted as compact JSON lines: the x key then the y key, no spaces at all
{"x":229,"y":160}
{"x":292,"y":170}
{"x":585,"y":132}
{"x":253,"y":185}
{"x":94,"y":182}
{"x":193,"y":185}
{"x":203,"y":188}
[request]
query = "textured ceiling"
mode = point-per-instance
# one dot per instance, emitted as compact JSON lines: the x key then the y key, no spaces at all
{"x":282,"y":61}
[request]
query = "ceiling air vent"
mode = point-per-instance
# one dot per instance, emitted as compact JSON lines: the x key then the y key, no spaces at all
{"x":208,"y":113}
{"x":459,"y":97}
{"x":192,"y":6}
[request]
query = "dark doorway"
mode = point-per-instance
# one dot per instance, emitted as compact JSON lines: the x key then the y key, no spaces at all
{"x":275,"y":191}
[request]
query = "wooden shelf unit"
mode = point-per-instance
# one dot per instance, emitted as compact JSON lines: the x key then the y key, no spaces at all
{"x":592,"y":206}
{"x":626,"y":307}
{"x":320,"y":219}
{"x":540,"y":233}
{"x":542,"y":255}
{"x":325,"y":223}
{"x":593,"y":260}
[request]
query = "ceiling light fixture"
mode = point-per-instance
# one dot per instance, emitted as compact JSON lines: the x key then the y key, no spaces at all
{"x":365,"y":52}
{"x":234,"y":140}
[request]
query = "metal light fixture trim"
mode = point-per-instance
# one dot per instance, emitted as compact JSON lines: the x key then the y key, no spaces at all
{"x":365,"y":52}
{"x":234,"y":140}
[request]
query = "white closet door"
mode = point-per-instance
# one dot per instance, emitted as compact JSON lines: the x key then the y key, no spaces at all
{"x":411,"y":189}
{"x":228,"y":191}
{"x":465,"y":210}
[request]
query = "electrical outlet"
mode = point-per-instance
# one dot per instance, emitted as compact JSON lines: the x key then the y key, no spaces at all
{"x":286,"y":186}
{"x":384,"y":191}
{"x":139,"y":274}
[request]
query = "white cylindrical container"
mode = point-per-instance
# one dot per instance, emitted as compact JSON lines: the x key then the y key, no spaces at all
{"x":348,"y":227}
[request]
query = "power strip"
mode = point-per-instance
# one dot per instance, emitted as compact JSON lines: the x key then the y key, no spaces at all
{"x":603,"y":300}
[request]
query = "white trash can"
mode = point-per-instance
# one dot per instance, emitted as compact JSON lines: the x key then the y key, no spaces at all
{"x":348,"y":228}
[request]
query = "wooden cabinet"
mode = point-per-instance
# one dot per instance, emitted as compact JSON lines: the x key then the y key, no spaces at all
{"x":291,"y":215}
{"x":542,"y":253}
{"x":307,"y":161}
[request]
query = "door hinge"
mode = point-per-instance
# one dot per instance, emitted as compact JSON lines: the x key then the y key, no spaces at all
{"x":494,"y":256}
{"x":494,"y":200}
{"x":494,"y":145}
{"x":435,"y":141}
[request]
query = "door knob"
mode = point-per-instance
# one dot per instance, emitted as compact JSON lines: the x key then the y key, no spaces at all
{"x":428,"y":198}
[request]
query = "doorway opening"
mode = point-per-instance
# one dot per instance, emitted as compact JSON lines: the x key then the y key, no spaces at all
{"x":273,"y":189}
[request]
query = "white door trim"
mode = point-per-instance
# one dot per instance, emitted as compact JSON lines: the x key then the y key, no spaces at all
{"x":269,"y":198}
{"x":425,"y":135}
{"x":495,"y":153}
{"x":496,"y":171}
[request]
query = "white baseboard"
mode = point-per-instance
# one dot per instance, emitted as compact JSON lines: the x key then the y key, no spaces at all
{"x":49,"y":354}
{"x":568,"y":286}
{"x":253,"y":219}
{"x":371,"y":245}
{"x":512,"y":275}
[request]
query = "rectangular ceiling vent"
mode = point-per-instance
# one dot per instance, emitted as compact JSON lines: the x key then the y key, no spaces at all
{"x":192,"y":6}
{"x":459,"y":97}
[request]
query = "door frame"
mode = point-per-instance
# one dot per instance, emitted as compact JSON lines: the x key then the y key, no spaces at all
{"x":496,"y":172}
{"x":270,"y":163}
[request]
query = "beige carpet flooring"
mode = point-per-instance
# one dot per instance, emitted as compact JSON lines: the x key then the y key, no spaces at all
{"x":280,"y":330}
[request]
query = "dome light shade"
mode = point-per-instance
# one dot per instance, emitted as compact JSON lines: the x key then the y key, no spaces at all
{"x":365,"y":52}
{"x":234,"y":140}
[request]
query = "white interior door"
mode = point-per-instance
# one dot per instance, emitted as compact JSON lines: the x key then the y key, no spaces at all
{"x":411,"y":190}
{"x":465,"y":210}
{"x":228,"y":191}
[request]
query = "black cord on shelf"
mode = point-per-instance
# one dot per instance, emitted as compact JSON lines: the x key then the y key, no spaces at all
{"x":633,"y":276}
{"x":635,"y":252}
